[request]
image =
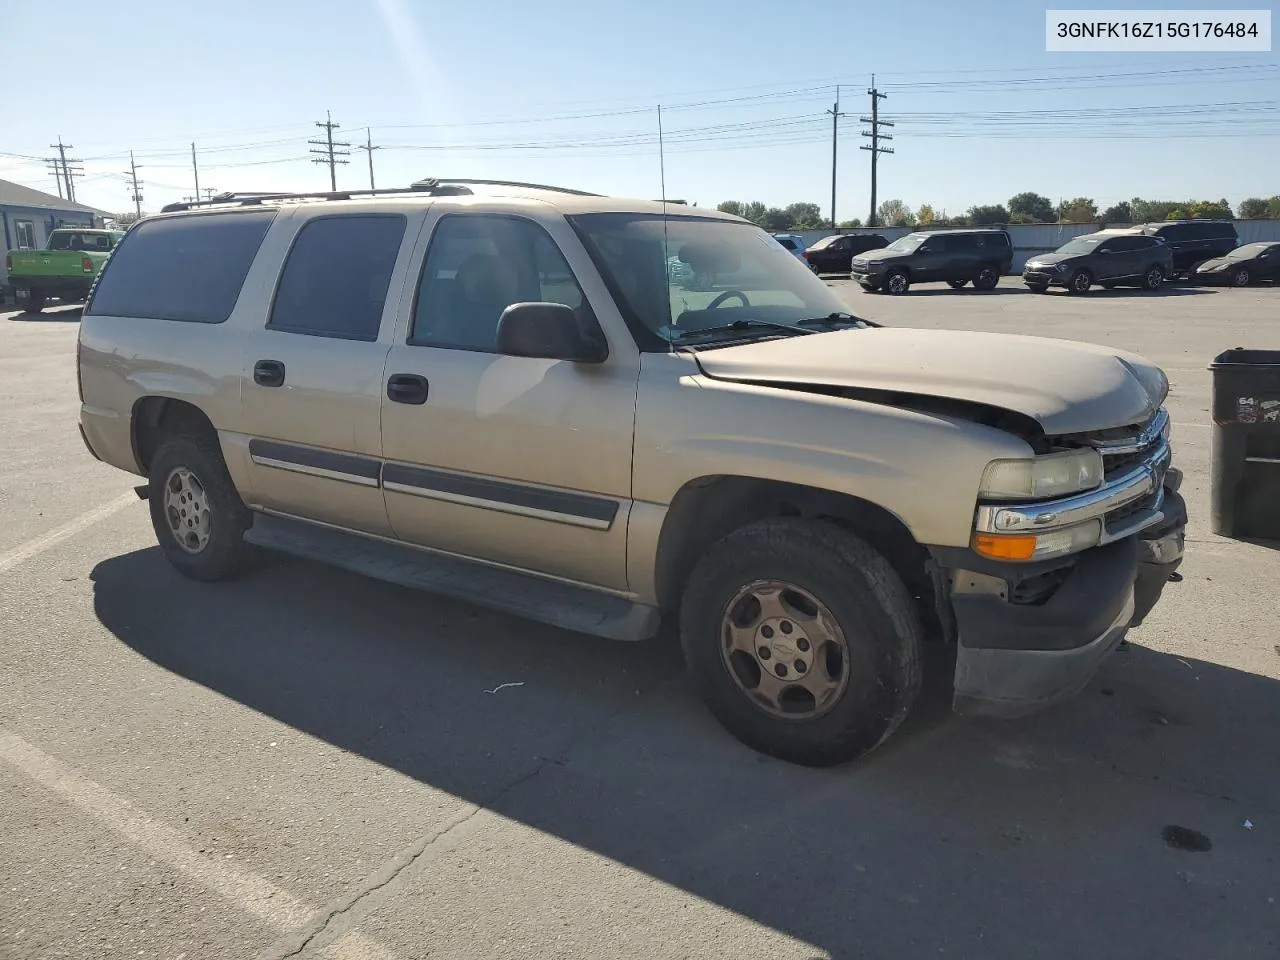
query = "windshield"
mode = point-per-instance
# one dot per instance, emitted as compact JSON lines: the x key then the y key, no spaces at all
{"x":680,"y":277}
{"x":1079,"y":245}
{"x":907,"y":244}
{"x":826,"y":242}
{"x":1248,"y":251}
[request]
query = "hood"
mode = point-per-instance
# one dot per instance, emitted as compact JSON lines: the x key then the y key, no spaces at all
{"x":1065,"y":386}
{"x":879,"y":253}
{"x":1217,"y":263}
{"x":1051,"y":257}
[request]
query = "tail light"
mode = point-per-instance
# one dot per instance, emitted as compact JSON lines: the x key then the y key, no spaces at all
{"x":86,"y":265}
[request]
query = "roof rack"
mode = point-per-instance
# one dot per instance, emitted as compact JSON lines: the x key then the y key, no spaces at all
{"x":428,"y":187}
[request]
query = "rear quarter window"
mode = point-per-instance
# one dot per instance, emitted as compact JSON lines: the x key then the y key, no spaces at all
{"x":188,"y":268}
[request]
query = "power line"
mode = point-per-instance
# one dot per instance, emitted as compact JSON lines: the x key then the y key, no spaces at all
{"x":330,"y":153}
{"x":876,"y":136}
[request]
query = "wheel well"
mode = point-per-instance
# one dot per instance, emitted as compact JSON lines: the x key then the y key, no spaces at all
{"x":157,"y":418}
{"x":709,"y":508}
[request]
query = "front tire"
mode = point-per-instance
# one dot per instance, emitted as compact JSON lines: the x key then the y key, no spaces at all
{"x":957,"y":284}
{"x":802,"y":640}
{"x":987,"y":279}
{"x":1241,"y":277}
{"x":1153,"y":279}
{"x":198,"y":516}
{"x":896,"y":283}
{"x":1080,"y":282}
{"x":1038,"y":287}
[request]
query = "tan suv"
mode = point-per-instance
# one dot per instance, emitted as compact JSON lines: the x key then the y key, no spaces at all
{"x":514,"y":395}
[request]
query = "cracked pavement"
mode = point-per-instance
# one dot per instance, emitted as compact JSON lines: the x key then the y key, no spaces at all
{"x":304,"y":763}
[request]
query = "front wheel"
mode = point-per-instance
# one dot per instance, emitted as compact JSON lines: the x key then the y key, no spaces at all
{"x":896,"y":283}
{"x":1241,"y":277}
{"x":1080,"y":282}
{"x":957,"y":284}
{"x":987,"y":279}
{"x":1038,"y":287}
{"x":1153,"y":279}
{"x":198,"y":516}
{"x":802,"y":640}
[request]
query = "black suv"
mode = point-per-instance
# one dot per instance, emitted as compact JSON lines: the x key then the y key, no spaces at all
{"x":1111,"y":258}
{"x":834,"y":254}
{"x":956,"y":256}
{"x":1192,"y":241}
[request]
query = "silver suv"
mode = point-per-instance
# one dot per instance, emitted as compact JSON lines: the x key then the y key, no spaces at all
{"x":505,"y":393}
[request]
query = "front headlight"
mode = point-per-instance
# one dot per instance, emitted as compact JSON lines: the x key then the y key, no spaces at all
{"x":1052,"y":475}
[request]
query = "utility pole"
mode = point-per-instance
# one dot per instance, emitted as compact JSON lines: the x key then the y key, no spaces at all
{"x":330,"y":152}
{"x":55,"y":167}
{"x":195,"y":169}
{"x":64,"y":170}
{"x":835,"y":130}
{"x":132,"y":174}
{"x":209,"y":192}
{"x":876,"y":136}
{"x":369,"y":148}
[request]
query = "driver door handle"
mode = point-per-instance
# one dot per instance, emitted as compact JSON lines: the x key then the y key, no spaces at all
{"x":268,"y":373}
{"x":407,"y":388}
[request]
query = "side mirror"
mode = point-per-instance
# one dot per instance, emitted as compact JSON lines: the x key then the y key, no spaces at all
{"x":549,"y":331}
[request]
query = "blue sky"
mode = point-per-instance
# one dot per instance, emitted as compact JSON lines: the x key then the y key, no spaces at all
{"x":564,"y":92}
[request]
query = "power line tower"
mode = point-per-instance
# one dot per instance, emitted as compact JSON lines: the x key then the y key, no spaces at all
{"x":330,"y":153}
{"x":55,"y":167}
{"x":136,"y":191}
{"x":368,"y":148}
{"x":876,"y":136}
{"x":835,"y":130}
{"x":208,"y":192}
{"x":65,"y":170}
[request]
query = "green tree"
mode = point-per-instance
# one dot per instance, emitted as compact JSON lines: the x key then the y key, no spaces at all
{"x":1209,"y":210}
{"x":988,"y":215}
{"x":926,"y":215}
{"x":805,"y":216}
{"x":1078,"y":210}
{"x":1177,"y":213}
{"x":895,"y":213}
{"x":1149,"y":211}
{"x":733,"y":207}
{"x":1273,"y":208}
{"x":1033,"y":206}
{"x":754,"y":211}
{"x":853,"y":224}
{"x":1252,"y":208}
{"x":1117,"y":213}
{"x":776,"y":220}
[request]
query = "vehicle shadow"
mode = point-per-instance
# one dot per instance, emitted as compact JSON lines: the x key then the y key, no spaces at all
{"x":959,"y":837}
{"x":1168,"y":290}
{"x":917,"y":291}
{"x":51,"y":315}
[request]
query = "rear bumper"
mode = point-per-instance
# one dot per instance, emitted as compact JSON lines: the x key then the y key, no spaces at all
{"x":1014,"y":658}
{"x":67,"y":287}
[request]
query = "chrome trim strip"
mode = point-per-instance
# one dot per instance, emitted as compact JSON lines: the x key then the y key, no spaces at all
{"x":520,"y":510}
{"x":1262,"y":459}
{"x":313,"y":471}
{"x":1149,"y":434}
{"x":1064,"y":512}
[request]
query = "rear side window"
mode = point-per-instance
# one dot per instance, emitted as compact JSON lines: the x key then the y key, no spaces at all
{"x":996,"y":240}
{"x":335,"y":280}
{"x":1175,"y":233}
{"x":181,"y":268}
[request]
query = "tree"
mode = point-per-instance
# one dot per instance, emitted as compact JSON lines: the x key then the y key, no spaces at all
{"x":925,"y":215}
{"x":853,"y":224}
{"x":125,"y":219}
{"x":1149,"y":211}
{"x":1039,"y":209}
{"x":1079,"y":210}
{"x":1273,"y":208}
{"x":988,"y":215}
{"x":754,"y":211}
{"x":804,"y":216}
{"x":1117,"y":213}
{"x":895,"y":213}
{"x":775,"y":220}
{"x":1210,"y":210}
{"x":1252,"y":208}
{"x":733,"y":207}
{"x":1177,"y":213}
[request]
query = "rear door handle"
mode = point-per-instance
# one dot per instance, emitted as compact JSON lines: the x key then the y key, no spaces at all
{"x":407,"y":388}
{"x":268,"y":373}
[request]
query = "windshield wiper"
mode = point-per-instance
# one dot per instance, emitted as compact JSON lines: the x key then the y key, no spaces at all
{"x":734,"y":326}
{"x":831,"y":318}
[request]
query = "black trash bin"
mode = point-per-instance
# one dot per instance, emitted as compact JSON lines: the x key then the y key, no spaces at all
{"x":1246,"y":444}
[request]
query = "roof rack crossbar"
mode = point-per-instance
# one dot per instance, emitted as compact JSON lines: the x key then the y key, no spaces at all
{"x":514,"y":183}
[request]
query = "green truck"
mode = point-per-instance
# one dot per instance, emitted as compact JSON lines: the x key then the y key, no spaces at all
{"x":65,"y":269}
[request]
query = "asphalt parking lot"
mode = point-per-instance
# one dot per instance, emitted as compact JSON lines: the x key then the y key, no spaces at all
{"x":306,"y":763}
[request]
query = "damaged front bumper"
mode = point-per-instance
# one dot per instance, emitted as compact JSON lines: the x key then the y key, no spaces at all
{"x":1031,"y":634}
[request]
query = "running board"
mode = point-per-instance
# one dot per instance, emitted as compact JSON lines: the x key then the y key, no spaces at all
{"x":534,"y":598}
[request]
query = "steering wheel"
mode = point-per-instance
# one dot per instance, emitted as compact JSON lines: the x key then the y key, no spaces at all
{"x":726,"y":295}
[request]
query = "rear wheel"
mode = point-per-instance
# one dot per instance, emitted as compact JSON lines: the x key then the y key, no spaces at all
{"x":1241,"y":277}
{"x":897,"y":283}
{"x":198,"y":516}
{"x":987,"y":279}
{"x":1153,"y":279}
{"x":957,"y":284}
{"x":803,"y":641}
{"x":1080,"y":282}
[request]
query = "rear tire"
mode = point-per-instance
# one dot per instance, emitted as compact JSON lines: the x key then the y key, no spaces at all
{"x":1241,"y":277}
{"x":1080,"y":282}
{"x":198,"y":516}
{"x":865,"y":651}
{"x":896,"y":283}
{"x":957,"y":284}
{"x":987,"y":279}
{"x":1153,"y":279}
{"x":1038,"y":287}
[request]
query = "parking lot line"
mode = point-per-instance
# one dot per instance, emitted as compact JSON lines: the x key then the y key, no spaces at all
{"x":69,"y":529}
{"x":248,"y":891}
